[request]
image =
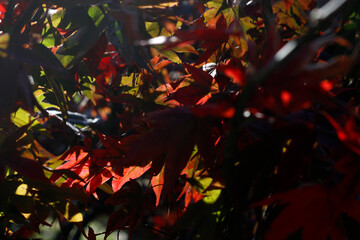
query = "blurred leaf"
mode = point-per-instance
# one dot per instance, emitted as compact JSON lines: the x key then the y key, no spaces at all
{"x":184,"y":49}
{"x":152,"y":28}
{"x":171,"y":55}
{"x":213,"y":9}
{"x":152,"y":2}
{"x":76,"y":3}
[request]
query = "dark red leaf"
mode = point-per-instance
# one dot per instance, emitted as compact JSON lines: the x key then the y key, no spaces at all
{"x":207,"y":54}
{"x":91,"y":235}
{"x":189,"y":95}
{"x":201,"y":77}
{"x":173,"y":134}
{"x":234,"y":70}
{"x":95,"y":54}
{"x":314,"y":209}
{"x":132,"y":203}
{"x":28,"y":168}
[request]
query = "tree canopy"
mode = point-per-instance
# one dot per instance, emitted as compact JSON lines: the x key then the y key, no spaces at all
{"x":179,"y":119}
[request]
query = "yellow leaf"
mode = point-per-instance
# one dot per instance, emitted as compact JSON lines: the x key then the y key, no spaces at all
{"x":212,"y":196}
{"x":69,"y":210}
{"x":72,"y":213}
{"x":4,"y":43}
{"x":22,"y":190}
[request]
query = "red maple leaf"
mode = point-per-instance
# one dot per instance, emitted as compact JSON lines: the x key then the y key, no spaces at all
{"x":315,"y":209}
{"x":127,"y":175}
{"x":300,"y":82}
{"x":93,"y":166}
{"x":94,"y":56}
{"x":349,"y":134}
{"x":191,"y":194}
{"x":234,"y":70}
{"x":133,"y":203}
{"x":169,"y":143}
{"x":197,"y":90}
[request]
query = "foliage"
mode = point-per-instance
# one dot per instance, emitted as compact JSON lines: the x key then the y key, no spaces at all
{"x":180,"y":119}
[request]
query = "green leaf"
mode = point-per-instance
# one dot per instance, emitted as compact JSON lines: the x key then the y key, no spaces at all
{"x":40,"y":97}
{"x":86,"y":84}
{"x":51,"y":37}
{"x":185,"y":49}
{"x":170,"y":54}
{"x":230,"y":14}
{"x":58,"y":92}
{"x":80,"y":42}
{"x":214,"y":7}
{"x":22,"y":117}
{"x":212,"y":196}
{"x":152,"y":28}
{"x":74,"y":18}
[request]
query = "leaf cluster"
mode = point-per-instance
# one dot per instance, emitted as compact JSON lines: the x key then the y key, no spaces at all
{"x":180,"y":119}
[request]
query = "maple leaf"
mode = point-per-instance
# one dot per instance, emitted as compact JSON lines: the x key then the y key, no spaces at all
{"x":93,"y":166}
{"x":314,"y":208}
{"x":157,"y":183}
{"x":133,"y":202}
{"x":128,"y":174}
{"x":27,"y":167}
{"x":192,"y":94}
{"x":191,"y":194}
{"x":349,"y":134}
{"x":172,"y":133}
{"x":284,"y":90}
{"x":188,"y":190}
{"x":221,"y":108}
{"x":98,"y":179}
{"x":108,"y":68}
{"x":11,"y":156}
{"x":292,"y":13}
{"x":94,"y":56}
{"x":91,"y":235}
{"x":235,"y":70}
{"x":209,"y":38}
{"x":2,"y":11}
{"x":201,"y":77}
{"x":209,"y":44}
